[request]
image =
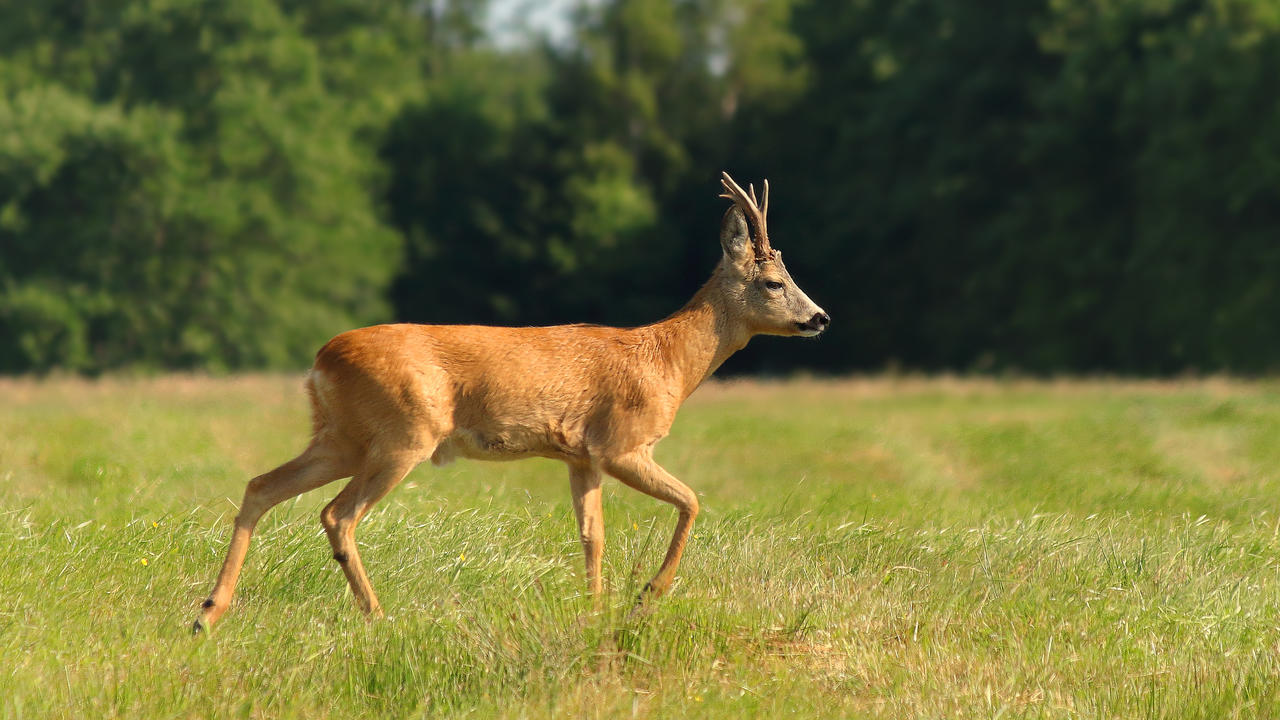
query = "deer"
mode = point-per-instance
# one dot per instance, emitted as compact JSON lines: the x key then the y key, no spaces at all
{"x":386,"y":398}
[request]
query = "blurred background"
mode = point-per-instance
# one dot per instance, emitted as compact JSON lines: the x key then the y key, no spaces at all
{"x":1035,"y":186}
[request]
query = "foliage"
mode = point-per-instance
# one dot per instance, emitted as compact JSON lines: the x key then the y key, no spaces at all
{"x":1061,"y":186}
{"x":533,"y":187}
{"x":183,"y":189}
{"x":1043,"y":185}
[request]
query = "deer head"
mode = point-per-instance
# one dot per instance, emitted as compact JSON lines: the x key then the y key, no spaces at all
{"x":760,"y":290}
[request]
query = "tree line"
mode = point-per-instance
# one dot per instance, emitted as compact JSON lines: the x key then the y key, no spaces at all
{"x":1030,"y":185}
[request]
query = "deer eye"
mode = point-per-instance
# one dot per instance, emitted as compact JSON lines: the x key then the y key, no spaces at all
{"x":773,"y":285}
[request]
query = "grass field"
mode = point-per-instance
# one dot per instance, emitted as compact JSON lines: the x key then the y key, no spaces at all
{"x":879,"y":548}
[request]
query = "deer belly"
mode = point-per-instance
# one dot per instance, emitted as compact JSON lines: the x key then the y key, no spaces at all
{"x":483,"y":446}
{"x":478,"y":445}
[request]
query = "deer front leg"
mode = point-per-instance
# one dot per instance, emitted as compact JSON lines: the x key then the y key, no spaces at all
{"x":584,"y":481}
{"x":638,"y":470}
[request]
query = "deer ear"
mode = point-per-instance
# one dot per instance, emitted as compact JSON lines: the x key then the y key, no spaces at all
{"x":735,"y":238}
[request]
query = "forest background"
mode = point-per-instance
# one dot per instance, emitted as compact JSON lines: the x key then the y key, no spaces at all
{"x":1037,"y":186}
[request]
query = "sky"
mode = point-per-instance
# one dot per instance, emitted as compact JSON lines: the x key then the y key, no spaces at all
{"x":510,"y":19}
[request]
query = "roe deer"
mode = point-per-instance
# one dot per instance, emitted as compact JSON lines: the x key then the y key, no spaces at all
{"x":387,"y":397}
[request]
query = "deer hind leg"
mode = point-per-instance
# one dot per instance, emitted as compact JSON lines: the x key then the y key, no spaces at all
{"x":341,"y":516}
{"x":638,"y":470}
{"x":313,"y":468}
{"x":584,"y":481}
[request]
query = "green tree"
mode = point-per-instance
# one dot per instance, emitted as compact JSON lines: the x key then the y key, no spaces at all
{"x":1047,"y":186}
{"x":183,"y":189}
{"x":578,"y":183}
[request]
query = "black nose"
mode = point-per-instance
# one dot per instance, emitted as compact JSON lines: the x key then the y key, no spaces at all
{"x":820,"y":320}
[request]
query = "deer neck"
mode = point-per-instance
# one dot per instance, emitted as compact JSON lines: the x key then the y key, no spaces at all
{"x":699,"y":337}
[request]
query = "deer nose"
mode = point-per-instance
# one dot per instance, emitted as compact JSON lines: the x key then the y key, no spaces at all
{"x":820,"y":320}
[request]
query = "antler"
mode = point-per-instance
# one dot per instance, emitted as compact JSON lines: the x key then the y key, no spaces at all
{"x":755,"y":213}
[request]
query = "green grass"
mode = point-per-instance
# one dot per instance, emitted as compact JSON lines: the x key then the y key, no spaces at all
{"x":881,"y":548}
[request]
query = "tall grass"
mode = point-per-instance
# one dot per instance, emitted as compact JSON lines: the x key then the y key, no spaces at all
{"x":880,"y":548}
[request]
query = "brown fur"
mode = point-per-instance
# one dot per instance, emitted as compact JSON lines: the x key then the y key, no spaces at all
{"x":388,"y":397}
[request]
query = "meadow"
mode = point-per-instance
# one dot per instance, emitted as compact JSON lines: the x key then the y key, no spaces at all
{"x":886,"y":547}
